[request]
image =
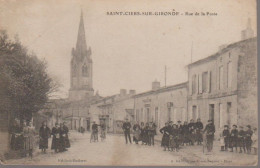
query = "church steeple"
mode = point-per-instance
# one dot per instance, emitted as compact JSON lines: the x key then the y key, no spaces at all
{"x":81,"y":67}
{"x":81,"y":46}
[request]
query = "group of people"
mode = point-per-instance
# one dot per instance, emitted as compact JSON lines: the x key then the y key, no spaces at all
{"x":243,"y":138}
{"x":23,"y":138}
{"x":144,"y":132}
{"x":178,"y":134}
{"x":174,"y":135}
{"x":94,"y":133}
{"x":60,"y":140}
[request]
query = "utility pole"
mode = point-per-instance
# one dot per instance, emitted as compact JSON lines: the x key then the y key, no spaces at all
{"x":165,"y":75}
{"x":191,"y":52}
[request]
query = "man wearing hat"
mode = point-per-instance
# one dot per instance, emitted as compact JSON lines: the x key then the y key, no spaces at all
{"x":192,"y":133}
{"x":199,"y":128}
{"x":248,"y":139}
{"x":126,"y":129}
{"x":233,"y":138}
{"x":180,"y":132}
{"x":94,"y":134}
{"x":209,"y":130}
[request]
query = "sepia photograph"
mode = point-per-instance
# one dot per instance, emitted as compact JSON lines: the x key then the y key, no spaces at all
{"x":128,"y":82}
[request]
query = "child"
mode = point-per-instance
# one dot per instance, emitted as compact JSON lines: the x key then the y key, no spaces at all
{"x":254,"y":141}
{"x":241,"y":139}
{"x":248,"y":140}
{"x":225,"y":135}
{"x":233,"y":138}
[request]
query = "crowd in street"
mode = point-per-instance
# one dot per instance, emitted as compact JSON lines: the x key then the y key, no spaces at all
{"x":24,"y":138}
{"x":189,"y":134}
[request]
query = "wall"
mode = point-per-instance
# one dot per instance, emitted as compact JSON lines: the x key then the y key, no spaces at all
{"x":247,"y":84}
{"x":159,"y":99}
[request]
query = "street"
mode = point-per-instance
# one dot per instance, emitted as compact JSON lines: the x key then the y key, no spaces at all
{"x":114,"y":151}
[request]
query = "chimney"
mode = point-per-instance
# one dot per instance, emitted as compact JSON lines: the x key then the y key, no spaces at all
{"x":131,"y":92}
{"x":122,"y":92}
{"x":248,"y":32}
{"x":155,"y":85}
{"x":222,"y":47}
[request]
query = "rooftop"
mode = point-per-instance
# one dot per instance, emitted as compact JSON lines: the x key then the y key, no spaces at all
{"x":227,"y":48}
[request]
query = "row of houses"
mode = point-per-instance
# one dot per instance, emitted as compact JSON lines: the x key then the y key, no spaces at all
{"x":221,"y":87}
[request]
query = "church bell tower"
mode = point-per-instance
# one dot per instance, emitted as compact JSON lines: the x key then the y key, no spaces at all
{"x":81,"y":67}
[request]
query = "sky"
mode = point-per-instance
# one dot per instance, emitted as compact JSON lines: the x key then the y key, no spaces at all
{"x":128,"y":52}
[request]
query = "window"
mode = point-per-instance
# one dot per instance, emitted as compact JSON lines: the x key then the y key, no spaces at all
{"x":229,"y":74}
{"x":142,"y":114}
{"x":148,"y":115}
{"x":85,"y":70}
{"x":169,"y":113}
{"x":221,"y":115}
{"x":137,"y":116}
{"x":204,"y":82}
{"x":229,"y":109}
{"x":156,"y":116}
{"x":211,"y":112}
{"x":198,"y":89}
{"x":221,"y":77}
{"x":194,"y":112}
{"x":194,"y":81}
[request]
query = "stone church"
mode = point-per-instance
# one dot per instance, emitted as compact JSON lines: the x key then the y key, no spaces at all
{"x":81,"y":84}
{"x":74,"y":110}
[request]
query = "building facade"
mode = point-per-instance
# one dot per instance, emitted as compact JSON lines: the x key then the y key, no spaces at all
{"x":223,"y":87}
{"x":113,"y":110}
{"x":161,"y":104}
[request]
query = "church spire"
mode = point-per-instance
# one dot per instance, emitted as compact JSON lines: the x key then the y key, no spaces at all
{"x":81,"y":45}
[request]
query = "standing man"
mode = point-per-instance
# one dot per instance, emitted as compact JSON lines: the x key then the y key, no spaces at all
{"x":199,"y":128}
{"x":209,"y":130}
{"x":94,"y":134}
{"x":192,"y":133}
{"x":248,"y":138}
{"x":126,"y":129}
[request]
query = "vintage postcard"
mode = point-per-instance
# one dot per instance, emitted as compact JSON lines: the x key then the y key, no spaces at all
{"x":128,"y":82}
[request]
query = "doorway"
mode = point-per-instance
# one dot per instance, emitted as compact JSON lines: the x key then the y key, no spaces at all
{"x":211,"y":112}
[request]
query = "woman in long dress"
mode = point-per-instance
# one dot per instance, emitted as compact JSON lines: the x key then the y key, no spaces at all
{"x":44,"y":134}
{"x":165,"y":139}
{"x":55,"y":138}
{"x":137,"y":132}
{"x":28,"y":134}
{"x":142,"y":136}
{"x":66,"y":137}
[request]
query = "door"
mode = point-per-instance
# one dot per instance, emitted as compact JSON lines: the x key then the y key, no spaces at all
{"x":211,"y":112}
{"x":88,"y":124}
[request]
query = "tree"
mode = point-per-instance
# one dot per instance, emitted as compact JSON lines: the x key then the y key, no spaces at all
{"x":23,"y":79}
